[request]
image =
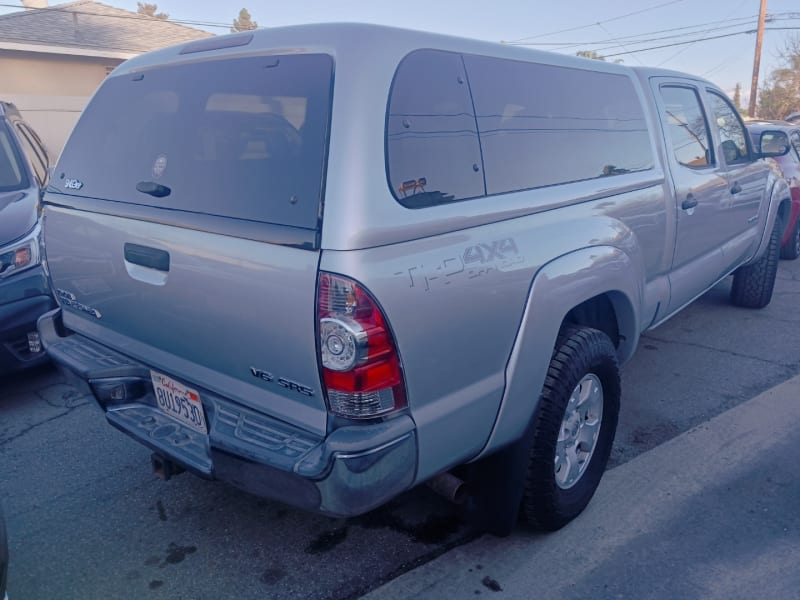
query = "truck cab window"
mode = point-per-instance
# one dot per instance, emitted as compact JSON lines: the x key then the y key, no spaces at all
{"x":733,"y":139}
{"x":688,"y":129}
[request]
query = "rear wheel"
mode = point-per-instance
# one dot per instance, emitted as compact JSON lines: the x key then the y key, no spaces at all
{"x":791,"y":250}
{"x":574,"y":428}
{"x":753,"y":284}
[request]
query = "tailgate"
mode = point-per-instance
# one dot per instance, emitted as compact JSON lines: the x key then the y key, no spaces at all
{"x":182,"y":223}
{"x":232,"y":315}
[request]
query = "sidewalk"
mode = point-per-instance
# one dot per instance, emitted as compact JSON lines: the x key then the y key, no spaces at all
{"x":713,"y":513}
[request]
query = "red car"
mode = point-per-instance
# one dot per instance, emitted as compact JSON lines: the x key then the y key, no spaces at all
{"x":789,"y":166}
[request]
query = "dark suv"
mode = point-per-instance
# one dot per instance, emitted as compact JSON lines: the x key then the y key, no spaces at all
{"x":24,"y":293}
{"x":3,"y":557}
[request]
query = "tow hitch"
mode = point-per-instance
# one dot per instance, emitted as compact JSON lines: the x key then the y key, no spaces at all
{"x":163,"y":468}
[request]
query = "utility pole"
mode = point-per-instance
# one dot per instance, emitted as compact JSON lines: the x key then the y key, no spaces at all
{"x":762,"y":15}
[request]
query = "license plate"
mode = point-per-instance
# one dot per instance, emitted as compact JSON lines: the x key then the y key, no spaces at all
{"x":179,"y":401}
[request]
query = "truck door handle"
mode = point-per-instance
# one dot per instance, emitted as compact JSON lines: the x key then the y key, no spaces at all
{"x":736,"y":188}
{"x":146,"y":256}
{"x":690,"y":202}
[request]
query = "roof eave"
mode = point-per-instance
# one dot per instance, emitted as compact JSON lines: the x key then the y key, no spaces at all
{"x":67,"y":50}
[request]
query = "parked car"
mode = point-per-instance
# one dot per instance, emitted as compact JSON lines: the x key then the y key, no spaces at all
{"x":327,"y":290}
{"x":24,"y":290}
{"x":788,"y":166}
{"x":3,"y":557}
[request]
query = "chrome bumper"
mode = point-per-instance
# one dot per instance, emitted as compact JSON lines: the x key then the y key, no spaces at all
{"x":349,"y":472}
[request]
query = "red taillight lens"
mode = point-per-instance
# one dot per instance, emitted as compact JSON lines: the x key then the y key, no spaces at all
{"x":360,"y":365}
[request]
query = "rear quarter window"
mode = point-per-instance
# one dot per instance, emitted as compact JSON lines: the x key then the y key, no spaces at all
{"x":243,"y":138}
{"x":464,"y":126}
{"x":432,"y":138}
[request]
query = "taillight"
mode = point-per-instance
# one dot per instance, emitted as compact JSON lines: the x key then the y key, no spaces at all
{"x":360,"y":365}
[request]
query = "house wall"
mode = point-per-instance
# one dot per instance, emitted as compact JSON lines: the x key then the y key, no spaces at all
{"x":51,"y":90}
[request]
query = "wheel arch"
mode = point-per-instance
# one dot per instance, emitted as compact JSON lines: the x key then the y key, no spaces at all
{"x":610,"y":312}
{"x":600,"y":287}
{"x":778,"y":211}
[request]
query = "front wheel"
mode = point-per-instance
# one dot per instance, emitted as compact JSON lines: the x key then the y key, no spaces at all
{"x":753,"y":285}
{"x":573,"y":429}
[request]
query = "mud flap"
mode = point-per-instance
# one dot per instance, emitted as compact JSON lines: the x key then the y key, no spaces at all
{"x":496,"y":484}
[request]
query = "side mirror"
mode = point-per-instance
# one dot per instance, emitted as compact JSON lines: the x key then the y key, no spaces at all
{"x":773,"y":143}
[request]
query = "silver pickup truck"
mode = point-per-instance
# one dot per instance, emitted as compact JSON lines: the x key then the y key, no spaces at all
{"x":329,"y":263}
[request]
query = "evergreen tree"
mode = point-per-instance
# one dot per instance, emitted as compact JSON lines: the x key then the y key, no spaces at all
{"x":590,"y":54}
{"x":144,"y":8}
{"x":244,"y":22}
{"x":780,"y":95}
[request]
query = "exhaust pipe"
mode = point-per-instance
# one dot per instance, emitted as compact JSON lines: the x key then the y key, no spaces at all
{"x":163,"y":468}
{"x":450,"y":487}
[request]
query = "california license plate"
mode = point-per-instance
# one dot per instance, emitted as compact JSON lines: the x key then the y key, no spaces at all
{"x":179,"y":401}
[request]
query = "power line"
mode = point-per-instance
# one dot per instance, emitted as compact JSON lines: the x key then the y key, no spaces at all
{"x":649,"y":40}
{"x":714,"y":37}
{"x":641,"y":38}
{"x":685,"y":48}
{"x":621,"y":44}
{"x":637,"y":12}
{"x":668,"y":37}
{"x":727,"y":61}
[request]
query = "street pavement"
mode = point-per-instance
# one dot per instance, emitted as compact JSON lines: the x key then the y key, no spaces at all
{"x":713,"y":513}
{"x":87,"y":519}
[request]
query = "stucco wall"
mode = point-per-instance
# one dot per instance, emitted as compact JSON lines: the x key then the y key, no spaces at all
{"x":51,"y":90}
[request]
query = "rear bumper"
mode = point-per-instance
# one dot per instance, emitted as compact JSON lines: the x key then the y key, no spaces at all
{"x":23,"y":299}
{"x":349,"y":472}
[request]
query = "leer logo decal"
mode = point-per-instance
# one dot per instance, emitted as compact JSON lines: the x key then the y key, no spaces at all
{"x":160,"y":165}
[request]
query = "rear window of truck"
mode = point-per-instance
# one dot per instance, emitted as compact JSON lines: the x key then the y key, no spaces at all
{"x":243,"y":138}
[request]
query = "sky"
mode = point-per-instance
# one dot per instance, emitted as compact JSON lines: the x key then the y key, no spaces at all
{"x":610,"y":27}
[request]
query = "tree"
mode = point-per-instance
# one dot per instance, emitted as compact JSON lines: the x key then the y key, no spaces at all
{"x":737,"y":100}
{"x":244,"y":22}
{"x":590,"y":54}
{"x":780,"y":95}
{"x":143,"y":8}
{"x":593,"y":54}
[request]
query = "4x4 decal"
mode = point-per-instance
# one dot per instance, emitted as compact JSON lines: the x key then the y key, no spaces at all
{"x":473,"y":261}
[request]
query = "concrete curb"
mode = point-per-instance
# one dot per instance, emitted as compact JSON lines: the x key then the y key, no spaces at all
{"x":713,"y":513}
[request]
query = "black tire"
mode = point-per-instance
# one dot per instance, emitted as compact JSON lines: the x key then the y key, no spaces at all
{"x":791,"y":250}
{"x":753,"y":284}
{"x":580,"y":352}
